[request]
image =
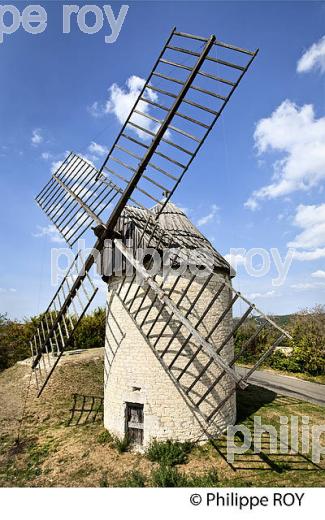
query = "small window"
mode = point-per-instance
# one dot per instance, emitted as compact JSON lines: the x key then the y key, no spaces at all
{"x":134,"y":423}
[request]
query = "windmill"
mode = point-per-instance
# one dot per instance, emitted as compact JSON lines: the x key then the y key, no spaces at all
{"x":169,"y":349}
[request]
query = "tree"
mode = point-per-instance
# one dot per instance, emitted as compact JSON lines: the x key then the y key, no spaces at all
{"x":14,"y":340}
{"x":90,"y":333}
{"x":307,"y":328}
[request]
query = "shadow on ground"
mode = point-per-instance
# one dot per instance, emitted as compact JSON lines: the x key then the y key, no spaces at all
{"x":86,"y":409}
{"x":265,"y":452}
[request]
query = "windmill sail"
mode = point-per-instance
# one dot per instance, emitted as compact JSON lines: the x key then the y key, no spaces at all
{"x":176,"y":109}
{"x":55,"y":331}
{"x":157,"y":311}
{"x":71,"y":189}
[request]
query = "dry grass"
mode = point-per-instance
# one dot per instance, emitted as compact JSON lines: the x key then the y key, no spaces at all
{"x":54,"y":454}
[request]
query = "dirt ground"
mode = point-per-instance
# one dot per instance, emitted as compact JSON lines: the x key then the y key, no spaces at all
{"x":53,"y":453}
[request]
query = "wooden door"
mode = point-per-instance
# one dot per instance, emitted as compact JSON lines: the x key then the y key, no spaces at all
{"x":134,"y":422}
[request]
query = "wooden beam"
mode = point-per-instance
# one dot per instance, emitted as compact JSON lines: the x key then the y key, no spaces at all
{"x":80,"y":201}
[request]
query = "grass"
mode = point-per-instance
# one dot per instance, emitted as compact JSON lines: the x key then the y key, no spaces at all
{"x":83,"y":472}
{"x":104,"y":437}
{"x":209,"y":479}
{"x":52,"y":454}
{"x":169,"y":453}
{"x":121,"y":445}
{"x":292,"y":468}
{"x":103,"y":482}
{"x":18,"y":474}
{"x":134,"y":479}
{"x":168,"y":476}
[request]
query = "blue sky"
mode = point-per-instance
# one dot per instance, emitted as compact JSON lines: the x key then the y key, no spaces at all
{"x":257,"y":183}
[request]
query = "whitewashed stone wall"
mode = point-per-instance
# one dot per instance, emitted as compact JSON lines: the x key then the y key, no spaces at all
{"x":134,"y":374}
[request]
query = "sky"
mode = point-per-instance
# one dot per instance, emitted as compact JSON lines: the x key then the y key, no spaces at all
{"x":256,"y":189}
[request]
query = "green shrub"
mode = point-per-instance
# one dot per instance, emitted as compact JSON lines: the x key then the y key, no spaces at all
{"x":280,"y":361}
{"x":14,"y":340}
{"x":90,"y":333}
{"x":256,"y":346}
{"x":103,"y":482}
{"x":121,"y":445}
{"x":15,"y":336}
{"x":169,"y":453}
{"x":307,"y":329}
{"x":135,"y":479}
{"x":104,"y":438}
{"x":167,"y":476}
{"x":209,"y":479}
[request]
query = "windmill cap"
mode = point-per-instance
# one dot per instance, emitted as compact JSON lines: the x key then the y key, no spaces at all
{"x":174,"y":220}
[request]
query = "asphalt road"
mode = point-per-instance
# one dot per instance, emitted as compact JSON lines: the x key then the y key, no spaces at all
{"x":286,"y":385}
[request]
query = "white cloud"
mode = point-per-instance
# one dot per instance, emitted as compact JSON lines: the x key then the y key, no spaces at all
{"x":97,"y":149}
{"x":121,"y":101}
{"x":89,"y":159}
{"x":46,"y":156}
{"x":49,"y":231}
{"x":310,"y":242}
{"x":311,"y":219}
{"x":308,"y":285}
{"x":185,"y":209}
{"x":251,"y":204}
{"x":209,"y":217}
{"x":10,"y":290}
{"x":318,"y":274}
{"x":235,"y":259}
{"x":37,"y":137}
{"x":313,"y":58}
{"x":83,"y":192}
{"x":306,"y":256}
{"x":267,"y":294}
{"x":295,"y":132}
{"x":57,"y":208}
{"x":102,"y":286}
{"x":96,"y":110}
{"x":55,"y":166}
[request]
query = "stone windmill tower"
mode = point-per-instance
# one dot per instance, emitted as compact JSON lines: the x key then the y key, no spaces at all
{"x":169,"y":352}
{"x":145,"y":353}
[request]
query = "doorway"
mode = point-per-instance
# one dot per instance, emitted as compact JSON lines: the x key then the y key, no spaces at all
{"x":134,"y":423}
